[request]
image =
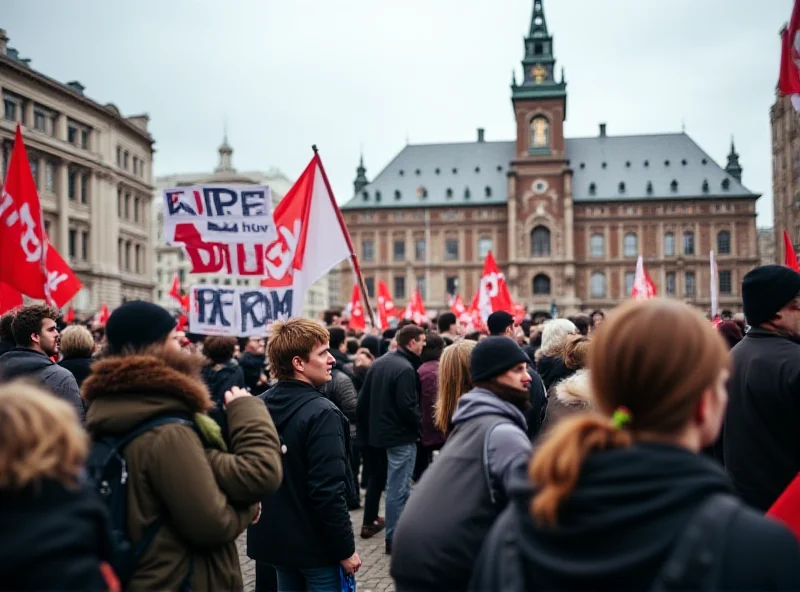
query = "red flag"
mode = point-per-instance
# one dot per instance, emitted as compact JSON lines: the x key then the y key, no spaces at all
{"x":184,"y":300}
{"x":357,"y":319}
{"x":518,"y":310}
{"x":101,"y":318}
{"x":494,"y":293}
{"x":789,"y":77}
{"x":643,"y":286}
{"x":385,"y":305}
{"x":9,"y":298}
{"x":457,"y":308}
{"x":787,"y":507}
{"x":69,"y":318}
{"x":29,"y":263}
{"x":183,"y":322}
{"x":789,"y":257}
{"x":175,"y":290}
{"x":415,"y":309}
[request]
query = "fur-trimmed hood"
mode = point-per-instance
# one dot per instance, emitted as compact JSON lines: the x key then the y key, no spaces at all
{"x":124,"y":391}
{"x":575,"y":390}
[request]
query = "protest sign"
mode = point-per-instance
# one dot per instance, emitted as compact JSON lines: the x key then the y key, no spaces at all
{"x":224,"y":214}
{"x":237,"y":312}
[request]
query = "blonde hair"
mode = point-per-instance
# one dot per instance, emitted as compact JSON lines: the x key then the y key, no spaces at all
{"x":40,"y":438}
{"x":290,"y":339}
{"x":455,"y":380}
{"x":659,"y":385}
{"x":77,"y":342}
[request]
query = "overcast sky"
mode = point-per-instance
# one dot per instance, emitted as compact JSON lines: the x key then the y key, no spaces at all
{"x":347,"y":74}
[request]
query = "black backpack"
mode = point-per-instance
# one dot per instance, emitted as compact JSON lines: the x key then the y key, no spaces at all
{"x":107,"y":472}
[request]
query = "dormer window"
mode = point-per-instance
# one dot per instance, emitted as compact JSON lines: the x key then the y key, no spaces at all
{"x":649,"y":188}
{"x":582,"y":166}
{"x":499,"y":168}
{"x":674,"y":186}
{"x":705,"y":185}
{"x":646,"y":163}
{"x":377,"y":196}
{"x":488,"y":191}
{"x":397,"y":194}
{"x":417,"y":172}
{"x":683,"y":162}
{"x":365,"y":195}
{"x":467,"y":193}
{"x":477,"y":169}
{"x":704,"y":162}
{"x":604,"y":165}
{"x":666,"y":163}
{"x":449,"y":193}
{"x":592,"y":188}
{"x":438,"y":170}
{"x":622,"y":187}
{"x":627,"y":164}
{"x":455,"y":171}
{"x":726,"y":184}
{"x":402,"y":172}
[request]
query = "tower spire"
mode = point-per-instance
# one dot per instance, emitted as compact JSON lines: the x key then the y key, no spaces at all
{"x":733,"y":168}
{"x":538,"y":21}
{"x":361,"y":175}
{"x":539,"y":62}
{"x":225,"y":153}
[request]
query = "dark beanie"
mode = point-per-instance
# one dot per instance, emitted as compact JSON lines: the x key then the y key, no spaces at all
{"x":766,"y":290}
{"x":136,"y":325}
{"x":493,"y":356}
{"x":498,"y":322}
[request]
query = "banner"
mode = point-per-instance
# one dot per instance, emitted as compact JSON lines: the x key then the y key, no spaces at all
{"x":225,"y":214}
{"x":237,"y":312}
{"x":643,"y":287}
{"x":493,"y":291}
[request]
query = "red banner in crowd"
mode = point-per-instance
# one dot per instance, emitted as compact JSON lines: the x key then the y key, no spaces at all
{"x":493,"y":293}
{"x":386,"y":307}
{"x":357,"y":319}
{"x":415,"y":310}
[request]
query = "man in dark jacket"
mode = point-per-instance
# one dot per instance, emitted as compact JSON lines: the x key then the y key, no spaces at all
{"x":7,"y":342}
{"x":37,"y":339}
{"x":221,"y":374}
{"x":389,"y":408}
{"x":305,"y":529}
{"x":760,"y":441}
{"x":252,"y":363}
{"x":501,"y":323}
{"x":342,"y":393}
{"x":338,"y":350}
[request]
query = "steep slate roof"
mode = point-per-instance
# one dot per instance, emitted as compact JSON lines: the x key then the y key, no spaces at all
{"x":477,"y":163}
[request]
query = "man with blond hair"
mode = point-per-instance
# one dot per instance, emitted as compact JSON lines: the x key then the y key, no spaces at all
{"x":305,"y":529}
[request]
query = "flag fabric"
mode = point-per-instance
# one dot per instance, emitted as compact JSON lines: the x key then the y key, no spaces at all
{"x":415,"y":310}
{"x":789,"y":257}
{"x":10,"y":298}
{"x":789,"y":76}
{"x":69,"y":318}
{"x":386,"y":307}
{"x":357,"y":320}
{"x":518,"y":310}
{"x":312,"y":235}
{"x":175,"y":290}
{"x":643,"y":286}
{"x":457,"y":308}
{"x":494,"y":294}
{"x":101,"y":318}
{"x":714,"y":286}
{"x":786,"y":508}
{"x":30,"y":264}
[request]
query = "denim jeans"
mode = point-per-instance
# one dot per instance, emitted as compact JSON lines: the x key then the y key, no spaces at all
{"x":309,"y":579}
{"x":400,"y":460}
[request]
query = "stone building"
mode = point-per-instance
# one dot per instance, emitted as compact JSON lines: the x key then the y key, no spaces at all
{"x":93,"y":169}
{"x":565,"y":218}
{"x":766,"y":246}
{"x":785,"y":174}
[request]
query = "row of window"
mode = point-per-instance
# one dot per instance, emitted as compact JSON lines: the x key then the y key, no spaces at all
{"x":15,"y":108}
{"x":130,"y":207}
{"x":422,"y":193}
{"x":75,"y":248}
{"x":598,"y":289}
{"x":131,"y":256}
{"x":124,"y":161}
{"x":673,"y":186}
{"x":630,"y":244}
{"x":451,"y":249}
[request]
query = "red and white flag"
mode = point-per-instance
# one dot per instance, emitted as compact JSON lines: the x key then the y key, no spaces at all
{"x":714,"y":286}
{"x":643,"y":286}
{"x":29,"y":263}
{"x":10,"y":298}
{"x":175,"y":290}
{"x":493,"y":292}
{"x":69,"y":318}
{"x":457,"y":308}
{"x":789,"y":256}
{"x":789,"y":77}
{"x":102,"y":316}
{"x":386,"y":307}
{"x":518,"y":310}
{"x":356,"y":309}
{"x":312,"y":236}
{"x":415,"y":310}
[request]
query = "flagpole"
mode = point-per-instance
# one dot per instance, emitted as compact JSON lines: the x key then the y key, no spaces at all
{"x":343,"y":226}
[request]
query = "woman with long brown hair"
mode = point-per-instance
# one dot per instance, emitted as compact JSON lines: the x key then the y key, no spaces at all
{"x":454,"y":381}
{"x":620,"y":499}
{"x":54,"y":531}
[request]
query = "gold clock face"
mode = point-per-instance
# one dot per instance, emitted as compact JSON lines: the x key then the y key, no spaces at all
{"x":539,"y":73}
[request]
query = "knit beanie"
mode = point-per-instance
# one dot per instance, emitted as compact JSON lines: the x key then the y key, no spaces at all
{"x":136,"y":325}
{"x":766,"y":290}
{"x":493,"y":356}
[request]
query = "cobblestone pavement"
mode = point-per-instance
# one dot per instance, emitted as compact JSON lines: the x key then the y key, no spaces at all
{"x":372,"y":577}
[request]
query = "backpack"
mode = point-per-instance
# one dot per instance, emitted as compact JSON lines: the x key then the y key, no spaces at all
{"x":107,"y":473}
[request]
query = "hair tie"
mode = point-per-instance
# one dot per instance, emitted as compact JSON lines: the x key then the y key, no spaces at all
{"x":621,"y":417}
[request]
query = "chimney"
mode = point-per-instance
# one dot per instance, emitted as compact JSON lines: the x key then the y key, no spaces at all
{"x":3,"y":42}
{"x":480,"y":134}
{"x":602,"y":130}
{"x":76,"y":86}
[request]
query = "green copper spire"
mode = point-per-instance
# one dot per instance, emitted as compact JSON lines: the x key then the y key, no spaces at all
{"x":733,"y":168}
{"x":361,"y":176}
{"x":538,"y":65}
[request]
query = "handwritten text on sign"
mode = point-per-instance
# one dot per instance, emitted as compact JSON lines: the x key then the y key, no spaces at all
{"x":221,"y":213}
{"x":237,"y":312}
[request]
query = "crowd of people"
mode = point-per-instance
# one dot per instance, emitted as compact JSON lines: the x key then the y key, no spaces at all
{"x":133,"y":456}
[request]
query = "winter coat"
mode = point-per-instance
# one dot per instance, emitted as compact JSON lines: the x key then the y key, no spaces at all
{"x":306,"y":524}
{"x":343,"y":362}
{"x":388,"y":405}
{"x":340,"y":390}
{"x":253,"y":367}
{"x":760,"y":442}
{"x":534,"y":414}
{"x":552,"y":369}
{"x":429,"y":384}
{"x":22,"y":362}
{"x":219,"y":379}
{"x":206,"y":497}
{"x":569,"y":397}
{"x":6,"y":346}
{"x":52,"y":538}
{"x":452,"y":508}
{"x":627,"y":513}
{"x":80,"y":368}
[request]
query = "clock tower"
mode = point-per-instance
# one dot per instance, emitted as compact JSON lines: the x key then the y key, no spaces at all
{"x":541,"y":253}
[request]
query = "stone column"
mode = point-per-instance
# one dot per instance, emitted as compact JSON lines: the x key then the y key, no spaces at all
{"x":61,"y":127}
{"x":62,"y":182}
{"x":27,"y":115}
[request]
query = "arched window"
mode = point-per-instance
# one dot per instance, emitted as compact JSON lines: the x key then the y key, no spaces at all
{"x":688,"y":243}
{"x":724,"y":242}
{"x":630,"y":245}
{"x":541,"y":285}
{"x":669,"y":245}
{"x":539,"y":133}
{"x":540,"y":242}
{"x":597,"y":246}
{"x":598,"y":285}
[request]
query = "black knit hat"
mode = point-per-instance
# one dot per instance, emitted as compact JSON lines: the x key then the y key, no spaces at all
{"x":493,"y":356}
{"x":498,"y":322}
{"x":766,"y":290}
{"x":136,"y":325}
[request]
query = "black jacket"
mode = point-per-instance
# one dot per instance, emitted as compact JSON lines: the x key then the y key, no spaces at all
{"x":52,"y":538}
{"x":253,"y":367}
{"x":388,"y":406}
{"x":306,"y":523}
{"x":762,"y":428}
{"x":81,"y":368}
{"x":23,"y":362}
{"x":620,"y":525}
{"x":220,"y":379}
{"x":6,"y":346}
{"x":343,"y":363}
{"x":535,"y":414}
{"x":553,"y":370}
